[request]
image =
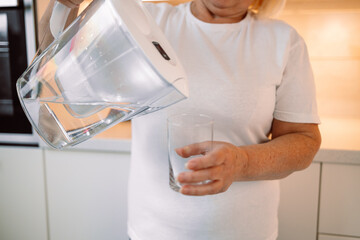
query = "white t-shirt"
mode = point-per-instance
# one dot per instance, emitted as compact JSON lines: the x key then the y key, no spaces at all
{"x":243,"y":75}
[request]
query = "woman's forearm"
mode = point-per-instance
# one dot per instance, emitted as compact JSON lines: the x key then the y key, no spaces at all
{"x":279,"y":157}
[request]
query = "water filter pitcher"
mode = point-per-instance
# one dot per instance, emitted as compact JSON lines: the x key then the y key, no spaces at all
{"x":111,"y":64}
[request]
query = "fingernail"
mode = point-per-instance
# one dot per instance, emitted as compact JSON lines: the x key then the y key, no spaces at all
{"x":184,"y":190}
{"x":180,"y":177}
{"x":190,"y":165}
{"x":186,"y":149}
{"x":178,"y":150}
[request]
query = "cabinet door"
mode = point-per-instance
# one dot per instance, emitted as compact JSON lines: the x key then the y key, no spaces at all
{"x":87,"y":194}
{"x":340,"y":200}
{"x":330,"y":237}
{"x":299,"y":204}
{"x":22,"y":194}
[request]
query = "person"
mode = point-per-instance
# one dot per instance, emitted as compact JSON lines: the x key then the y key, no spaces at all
{"x":250,"y":73}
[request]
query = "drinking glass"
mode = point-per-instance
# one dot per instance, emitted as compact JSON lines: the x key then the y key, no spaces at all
{"x":183,"y":130}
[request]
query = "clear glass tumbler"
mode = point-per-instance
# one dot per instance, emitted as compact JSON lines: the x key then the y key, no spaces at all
{"x":183,"y":130}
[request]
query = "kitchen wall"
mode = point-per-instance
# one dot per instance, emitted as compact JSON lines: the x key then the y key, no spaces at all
{"x":331,"y":29}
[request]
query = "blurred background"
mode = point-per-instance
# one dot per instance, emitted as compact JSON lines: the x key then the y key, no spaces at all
{"x":80,"y":193}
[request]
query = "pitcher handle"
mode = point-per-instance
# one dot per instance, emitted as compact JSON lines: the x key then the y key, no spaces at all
{"x":58,"y":19}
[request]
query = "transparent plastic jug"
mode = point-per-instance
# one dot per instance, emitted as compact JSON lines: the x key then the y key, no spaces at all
{"x":111,"y":64}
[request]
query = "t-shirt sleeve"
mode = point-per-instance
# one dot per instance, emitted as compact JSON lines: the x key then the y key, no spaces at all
{"x":296,"y":94}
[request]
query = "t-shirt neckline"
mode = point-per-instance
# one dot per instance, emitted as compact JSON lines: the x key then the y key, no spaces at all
{"x":217,"y":26}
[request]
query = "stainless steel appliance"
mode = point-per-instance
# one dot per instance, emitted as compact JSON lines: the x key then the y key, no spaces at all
{"x":17,"y":48}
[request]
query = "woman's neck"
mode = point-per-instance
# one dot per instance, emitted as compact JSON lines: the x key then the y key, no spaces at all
{"x":213,"y":14}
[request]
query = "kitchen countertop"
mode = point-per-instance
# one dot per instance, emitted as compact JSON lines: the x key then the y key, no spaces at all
{"x":340,"y":141}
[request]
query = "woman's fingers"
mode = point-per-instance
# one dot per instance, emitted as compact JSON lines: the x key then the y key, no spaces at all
{"x":203,"y":162}
{"x":206,"y":155}
{"x":219,"y":165}
{"x":194,"y":149}
{"x":212,"y":187}
{"x":192,"y":177}
{"x":71,"y":3}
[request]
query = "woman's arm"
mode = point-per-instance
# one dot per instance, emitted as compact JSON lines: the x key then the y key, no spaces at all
{"x":292,"y":148}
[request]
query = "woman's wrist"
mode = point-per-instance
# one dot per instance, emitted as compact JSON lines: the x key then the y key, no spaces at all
{"x":241,"y":163}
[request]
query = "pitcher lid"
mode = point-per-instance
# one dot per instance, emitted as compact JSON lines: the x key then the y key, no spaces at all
{"x":152,"y":41}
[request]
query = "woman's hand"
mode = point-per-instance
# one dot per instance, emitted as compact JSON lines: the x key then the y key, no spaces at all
{"x":292,"y":148}
{"x":71,"y":3}
{"x":219,"y":163}
{"x":45,"y":37}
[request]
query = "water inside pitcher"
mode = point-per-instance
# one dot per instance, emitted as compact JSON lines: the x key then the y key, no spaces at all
{"x":95,"y":75}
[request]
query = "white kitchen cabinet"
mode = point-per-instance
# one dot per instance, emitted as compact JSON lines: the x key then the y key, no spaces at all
{"x":332,"y":237}
{"x":87,"y":194}
{"x":22,"y":194}
{"x":299,"y":204}
{"x":340,"y":200}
